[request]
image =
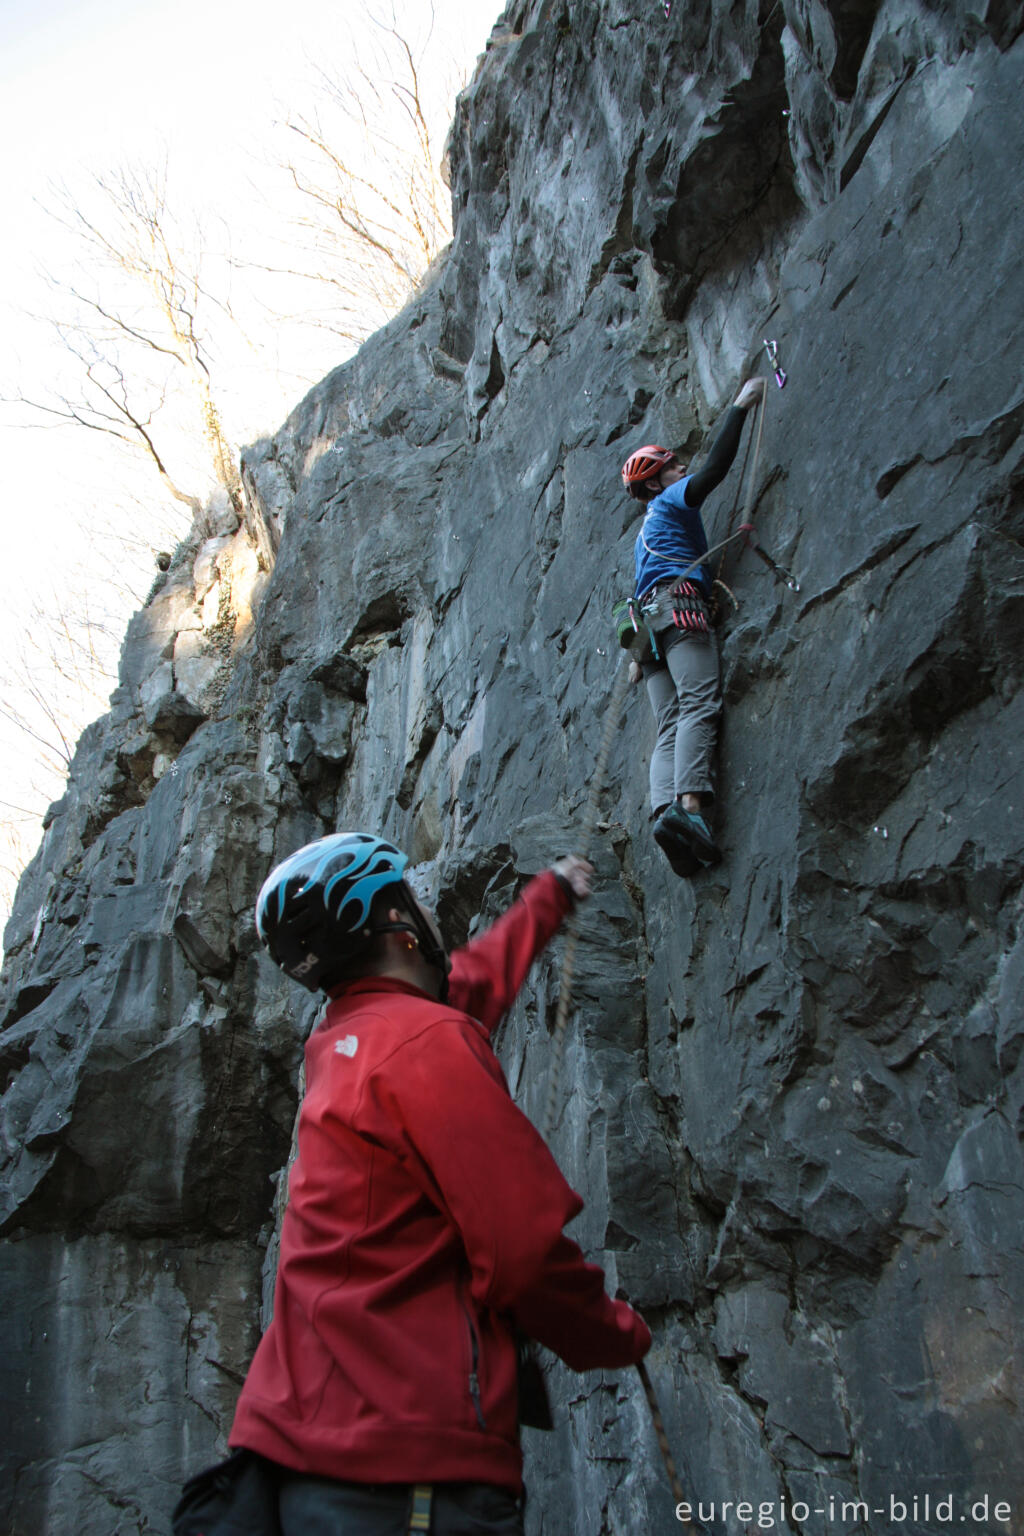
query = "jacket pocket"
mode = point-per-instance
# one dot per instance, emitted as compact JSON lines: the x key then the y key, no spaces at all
{"x":474,"y":1360}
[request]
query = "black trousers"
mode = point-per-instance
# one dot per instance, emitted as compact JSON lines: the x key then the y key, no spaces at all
{"x":320,"y":1506}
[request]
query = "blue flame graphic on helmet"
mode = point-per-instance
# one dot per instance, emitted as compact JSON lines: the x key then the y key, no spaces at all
{"x":347,"y":866}
{"x":377,"y":868}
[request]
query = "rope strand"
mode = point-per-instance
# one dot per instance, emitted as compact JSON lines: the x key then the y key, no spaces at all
{"x":611,"y":726}
{"x":572,"y":940}
{"x":558,"y":1040}
{"x":678,"y":1492}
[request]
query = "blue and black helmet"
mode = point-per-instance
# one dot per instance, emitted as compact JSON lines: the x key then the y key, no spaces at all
{"x":313,"y":911}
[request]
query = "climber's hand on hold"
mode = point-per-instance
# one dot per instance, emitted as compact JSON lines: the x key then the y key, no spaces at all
{"x":576,"y":873}
{"x":636,"y":672}
{"x":751,"y":394}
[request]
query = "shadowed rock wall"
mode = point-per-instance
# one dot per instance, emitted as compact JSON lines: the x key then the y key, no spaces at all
{"x":793,"y":1087}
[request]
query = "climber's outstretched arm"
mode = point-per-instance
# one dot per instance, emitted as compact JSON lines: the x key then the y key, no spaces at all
{"x":723,"y":450}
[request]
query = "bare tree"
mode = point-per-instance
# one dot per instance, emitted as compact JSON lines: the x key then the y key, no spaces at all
{"x":367,"y":166}
{"x":105,"y":403}
{"x":135,"y":334}
{"x":144,"y":326}
{"x":60,"y":675}
{"x":51,"y":686}
{"x":57,"y":680}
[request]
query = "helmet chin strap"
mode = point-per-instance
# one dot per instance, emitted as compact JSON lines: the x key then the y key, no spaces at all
{"x":433,"y":953}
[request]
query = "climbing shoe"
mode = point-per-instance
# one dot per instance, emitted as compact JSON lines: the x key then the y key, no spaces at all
{"x":690,"y":832}
{"x":676,"y":849}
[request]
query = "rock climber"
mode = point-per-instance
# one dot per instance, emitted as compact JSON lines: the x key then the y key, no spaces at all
{"x":673,"y":592}
{"x":425,"y":1215}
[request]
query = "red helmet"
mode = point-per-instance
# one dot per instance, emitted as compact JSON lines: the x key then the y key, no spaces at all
{"x":647,"y":461}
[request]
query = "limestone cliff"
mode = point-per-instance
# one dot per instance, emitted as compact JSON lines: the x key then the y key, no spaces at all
{"x":793,"y":1091}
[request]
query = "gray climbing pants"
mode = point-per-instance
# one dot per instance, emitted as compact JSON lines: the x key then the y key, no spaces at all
{"x":686,"y":699}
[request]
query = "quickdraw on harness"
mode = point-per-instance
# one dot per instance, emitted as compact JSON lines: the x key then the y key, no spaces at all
{"x":690,"y":611}
{"x":630,"y":618}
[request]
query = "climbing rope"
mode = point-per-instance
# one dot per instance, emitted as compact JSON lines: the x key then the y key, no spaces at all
{"x":662,"y":1437}
{"x":746,"y":530}
{"x":752,"y":539}
{"x":757,"y":459}
{"x":611,"y":726}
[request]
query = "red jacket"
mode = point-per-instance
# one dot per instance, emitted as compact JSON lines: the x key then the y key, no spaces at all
{"x":424,"y":1224}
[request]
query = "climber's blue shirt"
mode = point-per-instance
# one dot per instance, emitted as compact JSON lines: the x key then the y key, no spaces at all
{"x":671,"y":538}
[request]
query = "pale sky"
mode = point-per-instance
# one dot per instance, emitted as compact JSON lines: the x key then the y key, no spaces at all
{"x":85,"y":87}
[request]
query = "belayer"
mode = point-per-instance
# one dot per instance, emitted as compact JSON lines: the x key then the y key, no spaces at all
{"x":424,"y":1224}
{"x":680,"y":663}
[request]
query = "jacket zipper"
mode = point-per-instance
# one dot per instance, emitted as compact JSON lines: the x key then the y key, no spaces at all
{"x":474,"y":1376}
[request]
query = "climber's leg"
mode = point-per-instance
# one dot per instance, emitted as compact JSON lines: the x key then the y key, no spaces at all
{"x":686,"y":699}
{"x":692,"y":661}
{"x":661,"y":690}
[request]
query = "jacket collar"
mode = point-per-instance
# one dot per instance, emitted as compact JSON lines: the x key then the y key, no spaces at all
{"x":365,"y":984}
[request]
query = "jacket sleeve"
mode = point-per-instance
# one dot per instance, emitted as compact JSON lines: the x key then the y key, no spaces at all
{"x":488,"y":972}
{"x":480,"y":1160}
{"x":719,"y":461}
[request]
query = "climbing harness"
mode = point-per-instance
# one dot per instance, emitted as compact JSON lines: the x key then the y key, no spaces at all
{"x":633,"y":616}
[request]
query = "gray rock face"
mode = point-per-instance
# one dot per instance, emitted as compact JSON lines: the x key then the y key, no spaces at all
{"x":793,"y":1087}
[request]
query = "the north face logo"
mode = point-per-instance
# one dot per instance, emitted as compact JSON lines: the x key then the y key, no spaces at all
{"x":346,"y":1047}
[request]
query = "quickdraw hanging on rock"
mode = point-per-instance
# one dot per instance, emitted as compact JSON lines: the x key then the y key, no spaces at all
{"x":746,"y":529}
{"x":777,"y":570}
{"x":772,"y":348}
